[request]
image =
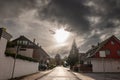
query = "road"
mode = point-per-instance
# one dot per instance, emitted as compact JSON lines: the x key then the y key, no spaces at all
{"x":60,"y":73}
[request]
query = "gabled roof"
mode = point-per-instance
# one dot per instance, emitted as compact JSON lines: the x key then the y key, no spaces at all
{"x":26,"y":39}
{"x":44,"y":52}
{"x":91,"y":52}
{"x":4,"y":34}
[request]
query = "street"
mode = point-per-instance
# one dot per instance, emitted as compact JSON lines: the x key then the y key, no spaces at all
{"x":60,"y":73}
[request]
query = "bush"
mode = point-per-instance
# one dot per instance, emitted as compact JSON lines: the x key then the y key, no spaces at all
{"x":20,"y":57}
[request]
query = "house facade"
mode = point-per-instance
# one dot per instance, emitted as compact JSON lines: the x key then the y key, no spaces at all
{"x":27,"y":48}
{"x":105,"y":57}
{"x":7,"y":62}
{"x":4,"y":38}
{"x":41,"y":55}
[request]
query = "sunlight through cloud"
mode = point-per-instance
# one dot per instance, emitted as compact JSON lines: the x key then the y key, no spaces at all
{"x":61,"y":35}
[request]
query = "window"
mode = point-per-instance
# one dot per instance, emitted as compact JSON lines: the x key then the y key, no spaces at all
{"x":19,"y":42}
{"x":102,"y":54}
{"x":118,"y":52}
{"x":112,"y":43}
{"x":25,"y":42}
{"x":107,"y":52}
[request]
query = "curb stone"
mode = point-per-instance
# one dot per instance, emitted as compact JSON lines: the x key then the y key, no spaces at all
{"x":75,"y":75}
{"x":36,"y":76}
{"x":44,"y":75}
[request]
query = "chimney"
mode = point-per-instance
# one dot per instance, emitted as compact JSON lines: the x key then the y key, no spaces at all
{"x":34,"y":40}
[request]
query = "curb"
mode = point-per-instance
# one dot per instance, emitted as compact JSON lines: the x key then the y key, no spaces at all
{"x":44,"y":75}
{"x":19,"y":78}
{"x":75,"y":75}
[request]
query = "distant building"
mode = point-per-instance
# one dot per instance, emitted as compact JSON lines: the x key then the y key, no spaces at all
{"x":27,"y":48}
{"x":58,"y":59}
{"x":105,"y":57}
{"x":41,"y":55}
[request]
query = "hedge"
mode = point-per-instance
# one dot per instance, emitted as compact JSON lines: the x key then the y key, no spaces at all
{"x":20,"y":57}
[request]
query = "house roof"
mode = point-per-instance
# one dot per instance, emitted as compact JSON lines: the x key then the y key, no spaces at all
{"x":26,"y":39}
{"x":4,"y":34}
{"x":44,"y":52}
{"x":91,"y":52}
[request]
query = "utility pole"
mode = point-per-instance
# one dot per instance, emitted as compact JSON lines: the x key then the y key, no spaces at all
{"x":15,"y":62}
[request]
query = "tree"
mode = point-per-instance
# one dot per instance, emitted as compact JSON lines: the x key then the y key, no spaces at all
{"x":73,"y":56}
{"x":58,"y":59}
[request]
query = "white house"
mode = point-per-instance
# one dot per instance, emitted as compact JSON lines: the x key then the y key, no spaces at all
{"x":4,"y":37}
{"x":22,"y":67}
{"x":26,"y":46}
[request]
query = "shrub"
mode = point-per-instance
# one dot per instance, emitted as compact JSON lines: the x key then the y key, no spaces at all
{"x":20,"y":57}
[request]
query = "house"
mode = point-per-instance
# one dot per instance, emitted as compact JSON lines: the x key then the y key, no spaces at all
{"x":4,"y":38}
{"x":104,"y":57}
{"x":27,"y":48}
{"x":41,"y":55}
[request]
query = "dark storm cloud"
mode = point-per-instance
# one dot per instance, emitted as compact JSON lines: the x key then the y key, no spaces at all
{"x":80,"y":16}
{"x":12,"y":8}
{"x":75,"y":13}
{"x":109,"y":11}
{"x":71,"y":12}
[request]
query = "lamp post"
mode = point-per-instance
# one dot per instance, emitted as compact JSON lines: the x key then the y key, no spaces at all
{"x":13,"y":70}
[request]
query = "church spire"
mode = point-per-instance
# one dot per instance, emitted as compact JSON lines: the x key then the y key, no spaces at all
{"x":74,"y":47}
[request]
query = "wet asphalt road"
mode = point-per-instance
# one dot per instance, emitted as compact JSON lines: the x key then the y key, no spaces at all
{"x":60,"y":73}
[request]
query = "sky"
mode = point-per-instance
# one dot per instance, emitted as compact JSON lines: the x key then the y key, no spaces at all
{"x":87,"y":21}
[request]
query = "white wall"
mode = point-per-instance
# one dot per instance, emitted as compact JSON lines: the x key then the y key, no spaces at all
{"x":24,"y":67}
{"x":6,"y":64}
{"x":28,"y":52}
{"x":107,"y":65}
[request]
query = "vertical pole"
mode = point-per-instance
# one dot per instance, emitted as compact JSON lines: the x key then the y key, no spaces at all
{"x":13,"y":70}
{"x":104,"y":68}
{"x":79,"y":62}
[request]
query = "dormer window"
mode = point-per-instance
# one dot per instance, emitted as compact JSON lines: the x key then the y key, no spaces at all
{"x":19,"y":42}
{"x":118,"y":52}
{"x":112,"y":43}
{"x":25,"y":42}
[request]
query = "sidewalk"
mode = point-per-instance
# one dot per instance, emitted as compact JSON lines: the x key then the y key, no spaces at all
{"x":97,"y":76}
{"x":33,"y":76}
{"x":37,"y":75}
